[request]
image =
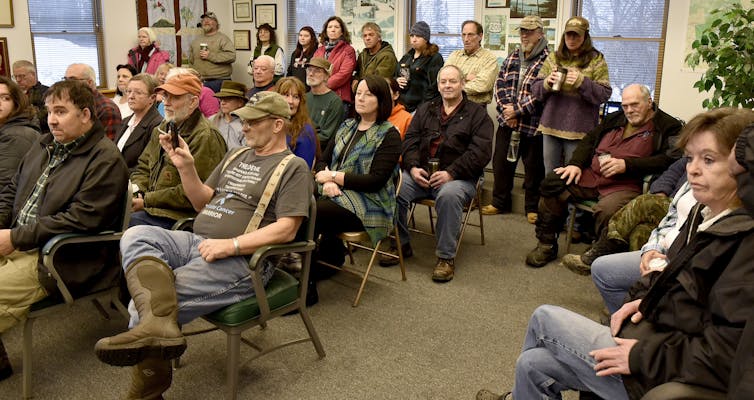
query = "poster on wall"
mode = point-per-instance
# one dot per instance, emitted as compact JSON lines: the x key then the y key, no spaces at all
{"x":699,"y":19}
{"x":174,"y":22}
{"x":495,"y":25}
{"x":4,"y":61}
{"x":543,"y":8}
{"x":356,"y":13}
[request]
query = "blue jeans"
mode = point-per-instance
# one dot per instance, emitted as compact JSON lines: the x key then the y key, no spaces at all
{"x":450,"y":199}
{"x":614,"y":274}
{"x":557,"y":151}
{"x":142,"y":218}
{"x":555,"y":357}
{"x":201,"y":287}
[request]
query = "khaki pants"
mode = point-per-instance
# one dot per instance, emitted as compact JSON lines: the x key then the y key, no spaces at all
{"x":19,"y":287}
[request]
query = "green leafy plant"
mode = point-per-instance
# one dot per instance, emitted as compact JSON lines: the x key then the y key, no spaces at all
{"x":726,"y":46}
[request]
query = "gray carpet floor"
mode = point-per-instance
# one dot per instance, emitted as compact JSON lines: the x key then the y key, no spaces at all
{"x":407,"y":340}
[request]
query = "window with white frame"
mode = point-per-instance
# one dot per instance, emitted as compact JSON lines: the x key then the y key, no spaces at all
{"x":72,"y":33}
{"x":631,"y":35}
{"x":303,"y":13}
{"x":444,"y":18}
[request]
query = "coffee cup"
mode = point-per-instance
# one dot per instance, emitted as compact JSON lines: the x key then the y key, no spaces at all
{"x":203,"y":46}
{"x":603,"y":158}
{"x":562,"y":72}
{"x":657,"y":264}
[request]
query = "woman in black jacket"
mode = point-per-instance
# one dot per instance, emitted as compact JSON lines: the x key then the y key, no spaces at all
{"x":18,"y":128}
{"x":305,"y":48}
{"x":136,"y":130}
{"x":416,"y":72}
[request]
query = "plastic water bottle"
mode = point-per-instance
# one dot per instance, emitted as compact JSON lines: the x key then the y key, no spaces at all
{"x":513,"y":146}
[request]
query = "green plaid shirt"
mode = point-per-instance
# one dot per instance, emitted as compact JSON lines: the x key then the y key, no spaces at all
{"x":60,"y":152}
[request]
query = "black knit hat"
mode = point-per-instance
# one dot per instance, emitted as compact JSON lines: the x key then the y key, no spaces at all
{"x":420,"y":29}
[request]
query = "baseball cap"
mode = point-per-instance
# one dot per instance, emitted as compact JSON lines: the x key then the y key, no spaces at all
{"x":209,"y":14}
{"x":182,"y":84}
{"x":320,"y":62}
{"x":577,"y":24}
{"x":264,"y":104}
{"x":531,"y":22}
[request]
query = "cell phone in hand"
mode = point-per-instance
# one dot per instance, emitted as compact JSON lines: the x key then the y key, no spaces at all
{"x":173,"y":131}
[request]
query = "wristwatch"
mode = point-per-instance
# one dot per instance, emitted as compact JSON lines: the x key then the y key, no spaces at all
{"x":333,"y":175}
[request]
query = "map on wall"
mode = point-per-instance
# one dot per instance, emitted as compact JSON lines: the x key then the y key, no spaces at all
{"x":356,"y":13}
{"x":699,"y":19}
{"x":495,"y":26}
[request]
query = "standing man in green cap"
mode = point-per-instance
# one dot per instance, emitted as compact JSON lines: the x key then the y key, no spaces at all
{"x":176,"y":276}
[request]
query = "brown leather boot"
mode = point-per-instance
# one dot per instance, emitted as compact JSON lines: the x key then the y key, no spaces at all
{"x":150,"y":379}
{"x":152,"y":286}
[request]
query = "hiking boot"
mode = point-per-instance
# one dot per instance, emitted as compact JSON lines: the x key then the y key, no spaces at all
{"x":6,"y":370}
{"x":489,"y":209}
{"x":443,"y":270}
{"x":150,"y":379}
{"x":531,"y":217}
{"x":602,"y":247}
{"x":485,"y":394}
{"x":542,"y":254}
{"x":576,"y":264}
{"x":152,"y":285}
{"x":387,"y":261}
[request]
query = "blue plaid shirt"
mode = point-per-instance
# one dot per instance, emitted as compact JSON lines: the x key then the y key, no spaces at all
{"x":527,"y":108}
{"x":60,"y":152}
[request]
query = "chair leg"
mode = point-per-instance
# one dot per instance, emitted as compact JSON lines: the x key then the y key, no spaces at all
{"x":431,"y":220}
{"x":481,"y":219}
{"x":234,"y":350}
{"x":312,"y":332}
{"x":350,"y":251}
{"x":569,"y":230}
{"x":366,"y":273}
{"x":400,"y":252}
{"x":27,"y":348}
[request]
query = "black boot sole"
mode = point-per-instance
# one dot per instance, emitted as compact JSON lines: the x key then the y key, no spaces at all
{"x":132,"y":355}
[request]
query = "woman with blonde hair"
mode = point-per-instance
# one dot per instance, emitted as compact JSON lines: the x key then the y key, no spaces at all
{"x":147,"y":56}
{"x":302,"y":138}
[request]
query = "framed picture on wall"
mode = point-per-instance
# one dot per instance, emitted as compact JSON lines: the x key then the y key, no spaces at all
{"x":4,"y":61}
{"x":266,"y":14}
{"x":242,"y":39}
{"x":497,"y":3}
{"x":6,"y":13}
{"x":242,"y":11}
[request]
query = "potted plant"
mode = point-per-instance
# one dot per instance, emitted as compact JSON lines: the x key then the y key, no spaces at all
{"x":726,"y":46}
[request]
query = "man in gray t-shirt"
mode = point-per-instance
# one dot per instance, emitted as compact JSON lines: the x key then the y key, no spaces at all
{"x":176,"y":276}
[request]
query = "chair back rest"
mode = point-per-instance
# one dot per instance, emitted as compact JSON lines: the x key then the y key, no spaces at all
{"x":306,"y":230}
{"x":126,"y":204}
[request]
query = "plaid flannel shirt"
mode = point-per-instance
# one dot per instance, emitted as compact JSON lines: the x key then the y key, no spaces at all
{"x":108,"y":114}
{"x":60,"y":152}
{"x":527,"y":108}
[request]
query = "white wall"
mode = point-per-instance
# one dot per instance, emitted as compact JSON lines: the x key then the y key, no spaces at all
{"x":677,"y":96}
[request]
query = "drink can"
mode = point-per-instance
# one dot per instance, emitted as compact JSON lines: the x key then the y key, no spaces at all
{"x":434,"y":165}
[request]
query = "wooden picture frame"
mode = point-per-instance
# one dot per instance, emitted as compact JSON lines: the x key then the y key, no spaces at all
{"x":6,"y":14}
{"x":497,"y":3}
{"x":242,"y":39}
{"x":242,"y":11}
{"x":266,"y":14}
{"x":4,"y":60}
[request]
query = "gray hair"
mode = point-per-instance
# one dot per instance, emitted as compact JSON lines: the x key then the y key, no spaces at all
{"x":269,"y":60}
{"x":451,"y":66}
{"x":27,"y":65}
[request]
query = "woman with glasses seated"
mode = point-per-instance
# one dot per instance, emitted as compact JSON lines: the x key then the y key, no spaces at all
{"x":136,"y":129}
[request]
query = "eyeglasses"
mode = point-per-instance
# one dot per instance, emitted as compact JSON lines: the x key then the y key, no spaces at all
{"x":19,"y":77}
{"x":136,"y":93}
{"x":73,"y":78}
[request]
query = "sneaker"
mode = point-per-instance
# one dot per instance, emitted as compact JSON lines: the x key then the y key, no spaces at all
{"x":541,"y":255}
{"x":485,"y":394}
{"x":576,"y":264}
{"x":387,"y":261}
{"x":531,"y":217}
{"x":443,"y":270}
{"x":489,"y":209}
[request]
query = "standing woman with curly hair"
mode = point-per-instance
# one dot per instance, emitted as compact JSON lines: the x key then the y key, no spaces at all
{"x":302,"y":139}
{"x":336,"y":48}
{"x":305,"y":48}
{"x":571,"y":110}
{"x":267,"y":45}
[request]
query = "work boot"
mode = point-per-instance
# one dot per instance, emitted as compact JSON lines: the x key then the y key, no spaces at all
{"x":152,"y":286}
{"x":575,"y":263}
{"x":602,"y":247}
{"x":542,"y":254}
{"x":150,"y":379}
{"x":387,"y":261}
{"x":444,"y":270}
{"x":5,"y":368}
{"x":489,"y":209}
{"x":531,"y":217}
{"x":485,"y":394}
